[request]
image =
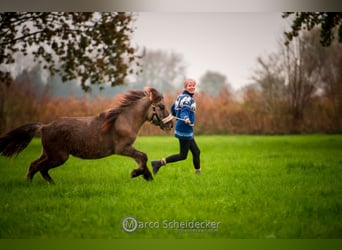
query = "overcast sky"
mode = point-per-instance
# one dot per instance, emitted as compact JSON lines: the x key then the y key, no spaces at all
{"x":227,"y":43}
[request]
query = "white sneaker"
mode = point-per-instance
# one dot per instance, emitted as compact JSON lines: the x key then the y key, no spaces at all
{"x":198,"y":171}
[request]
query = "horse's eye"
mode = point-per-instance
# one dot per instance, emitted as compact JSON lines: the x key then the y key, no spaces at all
{"x":162,"y":107}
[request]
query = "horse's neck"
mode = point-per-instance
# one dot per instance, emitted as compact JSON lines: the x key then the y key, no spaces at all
{"x":137,"y":114}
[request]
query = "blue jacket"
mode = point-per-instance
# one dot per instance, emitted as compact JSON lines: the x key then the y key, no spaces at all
{"x":184,"y":107}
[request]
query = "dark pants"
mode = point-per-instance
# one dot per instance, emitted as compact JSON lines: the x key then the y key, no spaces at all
{"x":185,"y":146}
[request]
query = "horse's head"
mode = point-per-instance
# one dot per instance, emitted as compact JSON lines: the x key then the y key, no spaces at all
{"x":158,"y":113}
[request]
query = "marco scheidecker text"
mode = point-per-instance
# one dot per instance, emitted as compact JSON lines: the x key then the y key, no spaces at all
{"x":130,"y":224}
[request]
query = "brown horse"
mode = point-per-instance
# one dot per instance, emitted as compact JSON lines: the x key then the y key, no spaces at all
{"x":110,"y":132}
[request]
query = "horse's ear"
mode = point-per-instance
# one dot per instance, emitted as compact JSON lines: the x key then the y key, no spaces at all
{"x":153,"y":94}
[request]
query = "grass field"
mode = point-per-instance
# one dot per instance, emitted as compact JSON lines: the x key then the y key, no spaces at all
{"x":251,"y":187}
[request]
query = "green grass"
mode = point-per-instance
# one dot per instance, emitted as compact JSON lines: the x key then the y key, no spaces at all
{"x":253,"y":186}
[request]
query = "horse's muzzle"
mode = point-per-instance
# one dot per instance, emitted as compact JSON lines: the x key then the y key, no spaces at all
{"x":168,"y":126}
{"x":167,"y":123}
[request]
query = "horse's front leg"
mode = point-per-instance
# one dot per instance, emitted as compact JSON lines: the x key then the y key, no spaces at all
{"x":141,"y":159}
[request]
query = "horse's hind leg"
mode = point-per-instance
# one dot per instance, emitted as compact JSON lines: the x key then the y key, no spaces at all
{"x":44,"y":164}
{"x":35,"y":166}
{"x":46,"y":176}
{"x":51,"y":163}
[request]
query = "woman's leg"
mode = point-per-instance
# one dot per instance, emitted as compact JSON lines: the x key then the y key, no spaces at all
{"x":195,"y":154}
{"x":184,"y":146}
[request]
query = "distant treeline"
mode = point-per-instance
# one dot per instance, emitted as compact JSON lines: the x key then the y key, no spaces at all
{"x":24,"y":102}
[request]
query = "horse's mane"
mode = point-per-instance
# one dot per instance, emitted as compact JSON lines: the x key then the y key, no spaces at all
{"x":125,"y":101}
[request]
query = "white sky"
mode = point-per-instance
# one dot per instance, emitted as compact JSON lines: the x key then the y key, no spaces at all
{"x":227,"y":43}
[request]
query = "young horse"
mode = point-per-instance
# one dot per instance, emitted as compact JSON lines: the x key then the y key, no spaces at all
{"x":111,"y":132}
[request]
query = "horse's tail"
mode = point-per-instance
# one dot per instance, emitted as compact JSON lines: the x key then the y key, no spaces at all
{"x":16,"y":140}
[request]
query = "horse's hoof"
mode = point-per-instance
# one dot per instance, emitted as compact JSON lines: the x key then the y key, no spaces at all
{"x":148,"y":177}
{"x":135,"y":173}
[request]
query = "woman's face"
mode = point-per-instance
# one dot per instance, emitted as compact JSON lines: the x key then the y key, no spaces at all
{"x":191,"y":87}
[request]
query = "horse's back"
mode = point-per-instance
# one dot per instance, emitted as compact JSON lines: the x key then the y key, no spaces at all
{"x":79,"y":136}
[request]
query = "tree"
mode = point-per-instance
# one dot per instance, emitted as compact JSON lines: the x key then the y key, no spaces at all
{"x":270,"y":78}
{"x":23,"y":99}
{"x":162,"y":70}
{"x":292,"y":78}
{"x":302,"y":62}
{"x":213,"y":82}
{"x":332,"y":83}
{"x":329,"y":22}
{"x":267,"y":98}
{"x":92,"y":47}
